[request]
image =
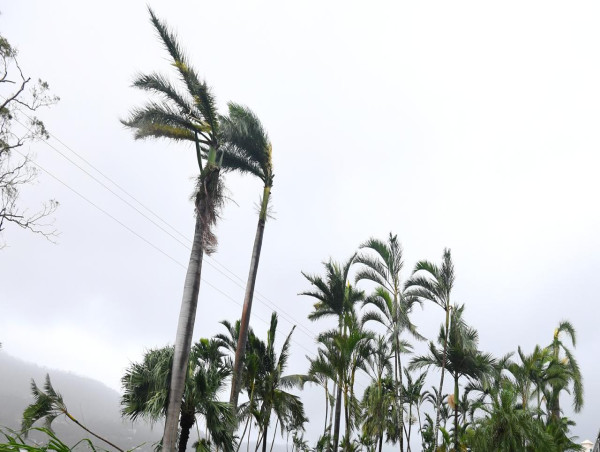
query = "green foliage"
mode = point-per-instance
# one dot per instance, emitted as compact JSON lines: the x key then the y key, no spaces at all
{"x":146,"y":390}
{"x":14,"y":441}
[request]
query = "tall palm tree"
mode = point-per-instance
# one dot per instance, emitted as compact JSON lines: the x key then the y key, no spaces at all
{"x":335,"y":297}
{"x":190,"y":116}
{"x":383,"y":266}
{"x":433,"y":283}
{"x":146,"y":391}
{"x":248,"y":149}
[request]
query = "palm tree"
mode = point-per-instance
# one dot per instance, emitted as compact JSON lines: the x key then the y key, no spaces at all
{"x":248,"y":149}
{"x":253,"y":371}
{"x":146,"y":391}
{"x":271,"y":388}
{"x":413,"y":395}
{"x":529,"y":375}
{"x":320,"y":372}
{"x":184,"y":117}
{"x":563,"y":357}
{"x":380,"y":394}
{"x":508,"y":426}
{"x":433,"y":283}
{"x":48,"y":404}
{"x":384,"y":269}
{"x":354,"y":347}
{"x":335,"y":297}
{"x":461,"y":358}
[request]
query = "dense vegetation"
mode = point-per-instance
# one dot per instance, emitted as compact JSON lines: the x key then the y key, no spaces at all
{"x":508,"y":403}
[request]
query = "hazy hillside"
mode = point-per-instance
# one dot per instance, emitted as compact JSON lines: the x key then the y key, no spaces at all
{"x":94,"y":404}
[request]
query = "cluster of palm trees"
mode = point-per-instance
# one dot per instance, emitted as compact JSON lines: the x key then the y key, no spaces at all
{"x":511,"y":403}
{"x":146,"y":389}
{"x":503,"y":404}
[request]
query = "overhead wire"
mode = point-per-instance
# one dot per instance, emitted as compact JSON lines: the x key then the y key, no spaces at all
{"x":148,"y":242}
{"x":261,"y":298}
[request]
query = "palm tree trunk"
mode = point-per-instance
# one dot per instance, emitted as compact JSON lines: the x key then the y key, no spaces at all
{"x":183,"y":339}
{"x":338,"y":414}
{"x":331,"y":413}
{"x":186,"y":423}
{"x":409,"y":427}
{"x":264,"y":445}
{"x":248,"y":297}
{"x":400,"y":405}
{"x":274,"y":433}
{"x":380,"y":440}
{"x":420,"y":426}
{"x":456,"y":412}
{"x":346,"y":414}
{"x":326,"y":407}
{"x":439,"y":402}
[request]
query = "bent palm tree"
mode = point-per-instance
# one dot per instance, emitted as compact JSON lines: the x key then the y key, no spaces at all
{"x":184,"y":117}
{"x":564,"y":371}
{"x":48,"y":404}
{"x":247,"y":148}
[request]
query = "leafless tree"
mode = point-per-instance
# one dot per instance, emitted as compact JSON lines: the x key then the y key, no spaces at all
{"x":20,"y":99}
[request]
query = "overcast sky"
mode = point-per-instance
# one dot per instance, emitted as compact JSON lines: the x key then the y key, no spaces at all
{"x":469,"y":125}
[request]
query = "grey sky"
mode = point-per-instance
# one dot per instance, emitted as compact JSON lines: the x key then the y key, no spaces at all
{"x":467,"y":125}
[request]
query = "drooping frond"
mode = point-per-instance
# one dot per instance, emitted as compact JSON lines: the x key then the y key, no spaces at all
{"x":244,"y":140}
{"x":160,"y":121}
{"x":159,"y":84}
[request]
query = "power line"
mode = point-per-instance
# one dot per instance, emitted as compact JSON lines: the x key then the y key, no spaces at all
{"x":148,"y":242}
{"x":261,"y":298}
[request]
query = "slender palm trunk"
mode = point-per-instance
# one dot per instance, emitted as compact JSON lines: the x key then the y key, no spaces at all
{"x":400,"y":404}
{"x":274,"y":434}
{"x":183,"y":339}
{"x":331,"y":413}
{"x":420,"y":426}
{"x":248,"y":297}
{"x":439,"y":402}
{"x":249,"y":433}
{"x":338,"y":415}
{"x":409,"y":428}
{"x":326,"y":407}
{"x":380,"y":440}
{"x":346,"y":414}
{"x":264,"y":445}
{"x":456,"y":412}
{"x":243,"y":434}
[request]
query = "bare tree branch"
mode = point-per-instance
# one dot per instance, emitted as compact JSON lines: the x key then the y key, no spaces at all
{"x":15,"y":174}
